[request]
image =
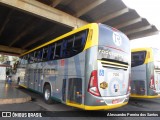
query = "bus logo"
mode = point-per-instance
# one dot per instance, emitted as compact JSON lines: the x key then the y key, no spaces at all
{"x":117,"y":39}
{"x":103,"y":85}
{"x":101,"y":72}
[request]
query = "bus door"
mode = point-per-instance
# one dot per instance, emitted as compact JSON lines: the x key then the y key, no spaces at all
{"x":75,"y":90}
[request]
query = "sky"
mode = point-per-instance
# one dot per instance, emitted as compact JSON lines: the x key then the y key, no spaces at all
{"x":148,"y":9}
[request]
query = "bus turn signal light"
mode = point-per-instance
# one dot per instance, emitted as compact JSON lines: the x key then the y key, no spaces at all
{"x":152,"y":85}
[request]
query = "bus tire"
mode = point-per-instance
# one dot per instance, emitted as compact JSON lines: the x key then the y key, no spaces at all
{"x":47,"y":94}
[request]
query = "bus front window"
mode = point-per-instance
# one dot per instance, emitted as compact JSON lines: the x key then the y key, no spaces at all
{"x":138,"y":58}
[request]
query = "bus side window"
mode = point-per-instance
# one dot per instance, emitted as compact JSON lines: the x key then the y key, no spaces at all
{"x":74,"y":44}
{"x":69,"y":46}
{"x":51,"y":52}
{"x":27,"y":59}
{"x":45,"y":52}
{"x":58,"y":50}
{"x":35,"y":56}
{"x":31,"y":57}
{"x":22,"y":60}
{"x":39,"y":56}
{"x":79,"y":41}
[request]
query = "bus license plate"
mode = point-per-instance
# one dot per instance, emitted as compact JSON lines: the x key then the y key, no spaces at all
{"x":114,"y":101}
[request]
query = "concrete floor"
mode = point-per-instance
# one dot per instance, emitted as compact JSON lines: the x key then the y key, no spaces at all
{"x":9,"y":94}
{"x":61,"y":111}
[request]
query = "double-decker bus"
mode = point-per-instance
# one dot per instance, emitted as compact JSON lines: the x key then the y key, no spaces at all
{"x":145,"y":73}
{"x":87,"y":68}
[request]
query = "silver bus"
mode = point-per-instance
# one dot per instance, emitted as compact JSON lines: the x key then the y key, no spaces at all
{"x":145,"y":73}
{"x":87,"y":68}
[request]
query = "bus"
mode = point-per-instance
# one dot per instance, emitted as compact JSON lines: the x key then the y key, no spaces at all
{"x":87,"y":68}
{"x":145,"y":73}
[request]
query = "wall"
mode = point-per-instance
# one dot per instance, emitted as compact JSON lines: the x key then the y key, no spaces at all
{"x":2,"y":73}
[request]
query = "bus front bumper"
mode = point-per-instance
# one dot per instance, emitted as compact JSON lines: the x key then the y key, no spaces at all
{"x":104,"y":107}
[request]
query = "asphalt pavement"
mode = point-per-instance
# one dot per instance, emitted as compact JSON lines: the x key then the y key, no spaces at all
{"x":60,"y":111}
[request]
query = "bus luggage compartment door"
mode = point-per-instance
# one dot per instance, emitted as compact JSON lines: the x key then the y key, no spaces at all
{"x":75,"y":90}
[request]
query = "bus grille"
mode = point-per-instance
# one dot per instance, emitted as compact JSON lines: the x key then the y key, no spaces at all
{"x":108,"y":64}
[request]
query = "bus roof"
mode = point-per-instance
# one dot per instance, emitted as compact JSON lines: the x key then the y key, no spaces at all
{"x":141,"y":49}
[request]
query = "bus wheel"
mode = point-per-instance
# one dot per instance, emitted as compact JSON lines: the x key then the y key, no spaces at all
{"x":47,"y":94}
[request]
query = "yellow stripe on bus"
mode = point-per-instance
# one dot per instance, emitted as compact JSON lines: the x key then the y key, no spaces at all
{"x":104,"y":107}
{"x":23,"y":86}
{"x":144,"y":96}
{"x":92,"y":38}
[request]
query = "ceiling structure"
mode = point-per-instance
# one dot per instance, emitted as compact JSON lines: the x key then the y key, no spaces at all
{"x":25,"y":24}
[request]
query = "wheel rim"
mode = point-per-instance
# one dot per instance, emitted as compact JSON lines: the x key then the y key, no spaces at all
{"x":47,"y":94}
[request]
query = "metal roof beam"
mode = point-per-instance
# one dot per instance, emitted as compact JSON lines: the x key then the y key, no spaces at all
{"x":6,"y":21}
{"x":138,"y":29}
{"x":130,"y":22}
{"x":89,"y":7}
{"x":113,"y":15}
{"x":11,"y":49}
{"x":143,"y":35}
{"x":42,"y":36}
{"x":42,"y":10}
{"x":55,"y":2}
{"x":9,"y":54}
{"x":25,"y":32}
{"x":66,"y":2}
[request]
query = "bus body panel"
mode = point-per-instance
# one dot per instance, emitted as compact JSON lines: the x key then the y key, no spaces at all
{"x":92,"y":100}
{"x":114,"y":64}
{"x":70,"y":78}
{"x":113,"y":89}
{"x":55,"y":72}
{"x":157,"y":80}
{"x":139,"y":80}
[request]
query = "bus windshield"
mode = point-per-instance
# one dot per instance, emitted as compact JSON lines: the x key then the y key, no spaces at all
{"x":138,"y":58}
{"x":113,"y":45}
